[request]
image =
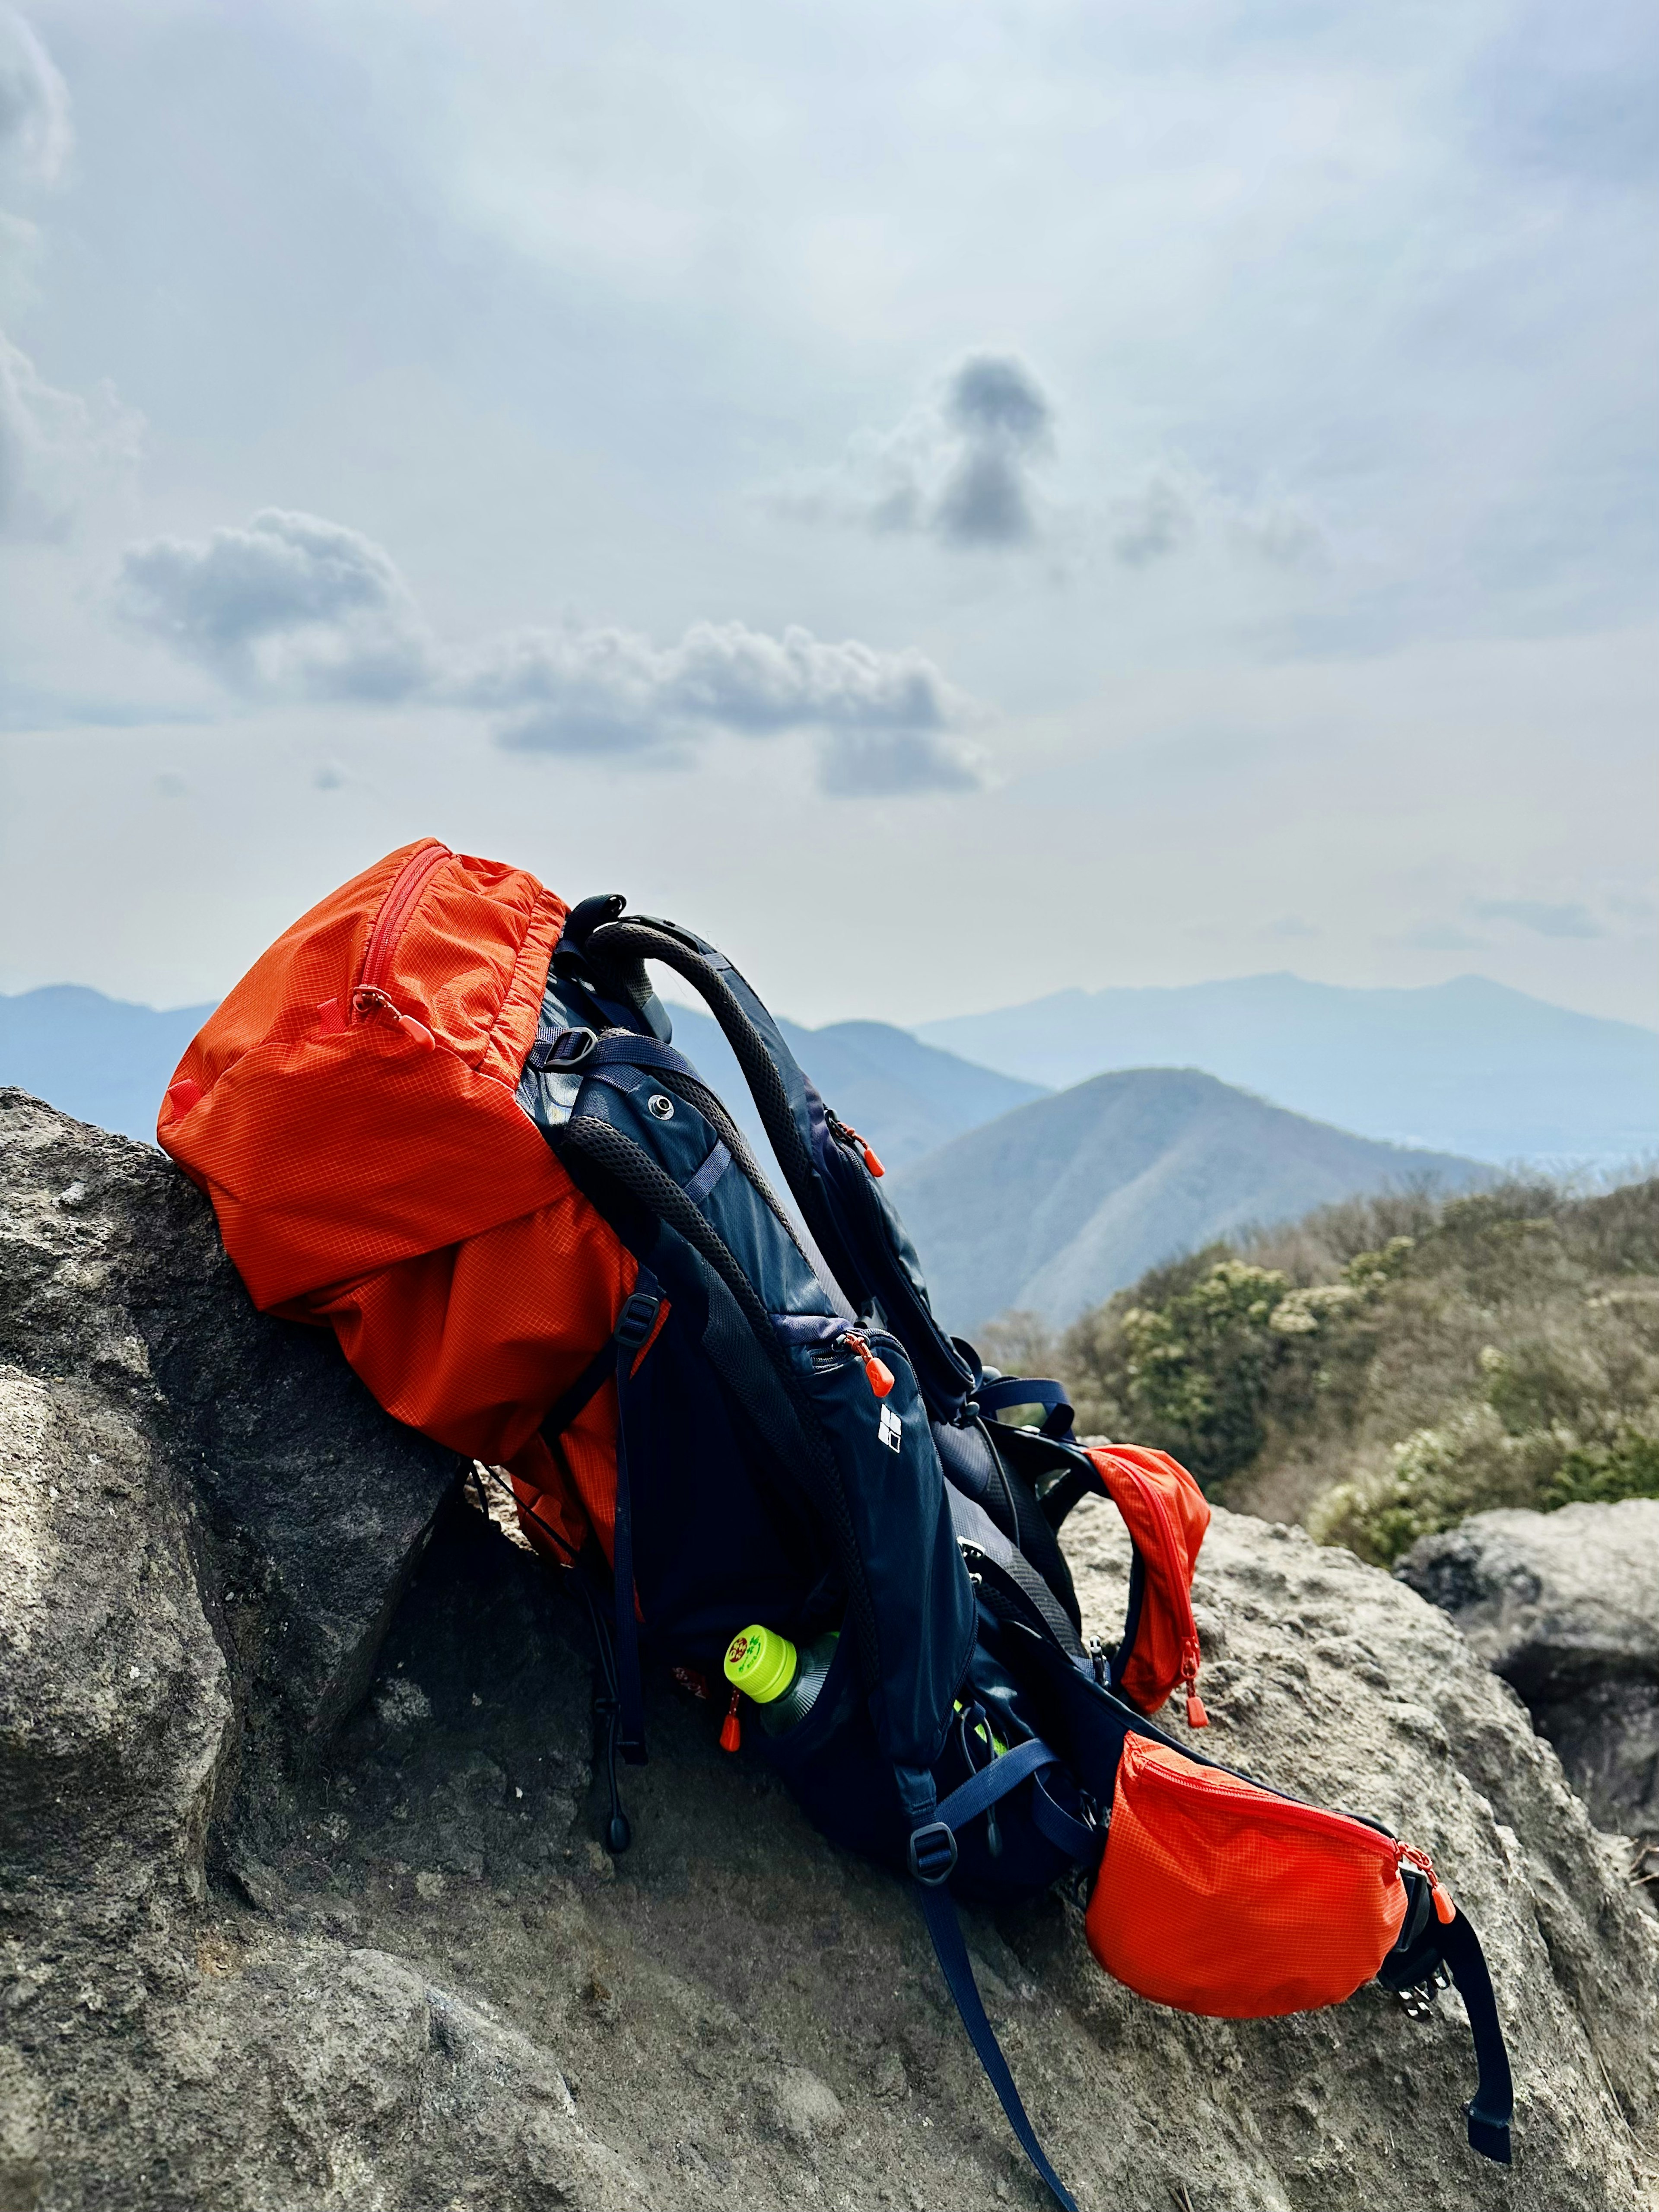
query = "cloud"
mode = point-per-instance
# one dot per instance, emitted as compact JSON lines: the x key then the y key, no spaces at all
{"x":964,"y":467}
{"x":1568,"y":920}
{"x":1442,"y":937}
{"x":289,"y":603}
{"x":959,"y":468}
{"x":293,"y":604}
{"x":1175,"y":505}
{"x":35,"y":109}
{"x":57,"y":449}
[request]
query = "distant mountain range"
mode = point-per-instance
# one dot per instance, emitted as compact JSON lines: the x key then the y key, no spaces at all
{"x":906,"y":1098}
{"x":107,"y":1061}
{"x":1466,"y":1066}
{"x":1021,"y":1197}
{"x":102,"y":1060}
{"x":1053,"y":1207}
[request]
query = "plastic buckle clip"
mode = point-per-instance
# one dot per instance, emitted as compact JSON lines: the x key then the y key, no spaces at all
{"x":570,"y":1048}
{"x":637,"y":1319}
{"x":933,"y":1854}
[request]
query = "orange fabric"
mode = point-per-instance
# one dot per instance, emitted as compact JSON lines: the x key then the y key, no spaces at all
{"x":1218,"y":1898}
{"x":1167,"y":1514}
{"x":377,"y":1175}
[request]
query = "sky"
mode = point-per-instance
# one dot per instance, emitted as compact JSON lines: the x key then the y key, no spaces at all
{"x":949,"y":500}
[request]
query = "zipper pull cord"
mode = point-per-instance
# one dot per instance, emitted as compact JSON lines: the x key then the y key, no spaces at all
{"x":849,"y":1135}
{"x":877,"y":1373}
{"x":1408,"y":1855}
{"x":731,"y":1726}
{"x":1196,"y":1716}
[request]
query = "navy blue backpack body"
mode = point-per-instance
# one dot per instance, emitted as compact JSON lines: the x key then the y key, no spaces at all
{"x":799,"y":1443}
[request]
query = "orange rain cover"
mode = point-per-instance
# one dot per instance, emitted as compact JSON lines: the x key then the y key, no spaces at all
{"x":373,"y":1173}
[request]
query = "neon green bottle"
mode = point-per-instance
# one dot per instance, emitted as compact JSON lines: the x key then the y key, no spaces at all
{"x":783,"y":1682}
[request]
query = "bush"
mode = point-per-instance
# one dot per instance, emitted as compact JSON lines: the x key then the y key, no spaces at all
{"x":1388,"y":1366}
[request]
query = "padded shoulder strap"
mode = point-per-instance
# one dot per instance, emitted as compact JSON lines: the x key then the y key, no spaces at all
{"x":860,"y":1237}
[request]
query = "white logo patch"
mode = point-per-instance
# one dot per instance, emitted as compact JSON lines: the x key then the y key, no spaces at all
{"x":890,"y":1429}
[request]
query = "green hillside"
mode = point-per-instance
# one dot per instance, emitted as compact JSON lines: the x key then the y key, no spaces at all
{"x":1390,"y":1365}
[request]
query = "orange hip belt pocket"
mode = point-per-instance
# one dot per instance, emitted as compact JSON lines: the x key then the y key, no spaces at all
{"x":1219,"y":1897}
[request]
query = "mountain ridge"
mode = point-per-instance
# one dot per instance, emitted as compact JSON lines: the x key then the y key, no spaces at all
{"x":1052,"y":1207}
{"x":1470,"y":1065}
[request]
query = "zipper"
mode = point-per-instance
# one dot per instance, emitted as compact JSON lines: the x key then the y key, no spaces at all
{"x":844,"y":1133}
{"x":1295,"y":1815}
{"x":369,"y":1001}
{"x":1190,"y":1655}
{"x":1288,"y":1809}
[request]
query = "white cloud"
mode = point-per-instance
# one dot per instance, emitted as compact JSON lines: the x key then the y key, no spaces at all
{"x":959,"y":468}
{"x":291,"y":604}
{"x":1176,"y":506}
{"x":1567,"y":918}
{"x":35,"y":109}
{"x":964,"y":467}
{"x":57,"y":449}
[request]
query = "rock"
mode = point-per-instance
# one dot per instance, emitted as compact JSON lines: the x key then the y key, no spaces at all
{"x":393,"y":1979}
{"x":115,"y":1701}
{"x":321,"y":1504}
{"x":1565,"y":1606}
{"x":803,"y":2108}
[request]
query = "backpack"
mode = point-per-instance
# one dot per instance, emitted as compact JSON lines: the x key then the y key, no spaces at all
{"x":443,"y":1115}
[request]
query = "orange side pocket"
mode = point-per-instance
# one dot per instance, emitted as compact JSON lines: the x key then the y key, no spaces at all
{"x":1218,"y":1897}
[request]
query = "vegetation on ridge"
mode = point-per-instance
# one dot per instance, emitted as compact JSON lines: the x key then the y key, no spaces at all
{"x":1390,"y":1365}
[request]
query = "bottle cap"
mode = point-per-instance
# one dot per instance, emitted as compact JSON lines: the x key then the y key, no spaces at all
{"x":761,"y":1663}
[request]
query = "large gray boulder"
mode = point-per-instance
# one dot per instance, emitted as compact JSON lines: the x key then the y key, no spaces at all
{"x":298,"y":1954}
{"x":1565,"y":1606}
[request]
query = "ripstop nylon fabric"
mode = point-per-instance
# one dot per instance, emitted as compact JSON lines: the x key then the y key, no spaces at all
{"x":392,"y":1190}
{"x":1221,"y":1898}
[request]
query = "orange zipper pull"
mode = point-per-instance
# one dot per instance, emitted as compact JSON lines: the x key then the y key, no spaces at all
{"x":1445,"y":1911}
{"x":849,"y":1135}
{"x":877,"y":1373}
{"x":1196,"y":1716}
{"x":731,"y":1728}
{"x":369,"y":1004}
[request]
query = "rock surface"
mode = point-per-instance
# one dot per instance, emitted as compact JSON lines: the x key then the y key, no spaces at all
{"x":268,"y":1949}
{"x":1565,"y":1606}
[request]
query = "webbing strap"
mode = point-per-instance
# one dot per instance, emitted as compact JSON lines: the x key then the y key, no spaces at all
{"x":565,"y":1408}
{"x":1073,"y":1837}
{"x":639,"y":1316}
{"x":940,"y":1910}
{"x":1019,"y":1391}
{"x":709,"y":1174}
{"x":983,"y":1789}
{"x":1493,"y":2104}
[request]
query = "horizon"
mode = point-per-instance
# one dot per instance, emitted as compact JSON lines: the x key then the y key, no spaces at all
{"x":1176,"y":497}
{"x":913,"y":1028}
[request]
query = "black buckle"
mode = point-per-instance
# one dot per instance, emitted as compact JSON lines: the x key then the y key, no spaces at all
{"x":569,"y":1048}
{"x":933,"y":1854}
{"x":637,"y":1319}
